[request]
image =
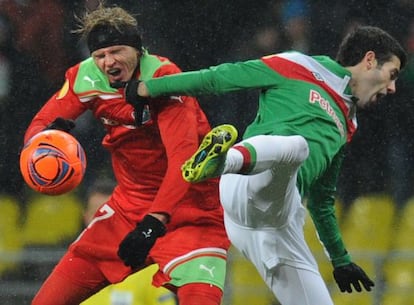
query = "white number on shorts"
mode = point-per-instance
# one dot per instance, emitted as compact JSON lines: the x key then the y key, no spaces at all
{"x":108,"y":212}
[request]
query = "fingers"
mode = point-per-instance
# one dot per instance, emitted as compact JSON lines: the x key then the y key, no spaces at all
{"x":368,"y":284}
{"x":345,"y":288}
{"x":357,"y":286}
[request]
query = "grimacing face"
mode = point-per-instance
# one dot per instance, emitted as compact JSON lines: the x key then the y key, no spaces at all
{"x":117,"y":62}
{"x":377,"y":81}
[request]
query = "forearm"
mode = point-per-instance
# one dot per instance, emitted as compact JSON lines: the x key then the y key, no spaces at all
{"x":65,"y":108}
{"x":329,"y":233}
{"x":161,"y":217}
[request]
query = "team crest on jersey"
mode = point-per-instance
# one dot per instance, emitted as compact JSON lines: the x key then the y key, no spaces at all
{"x":317,"y":76}
{"x":63,"y":91}
{"x":146,"y":115}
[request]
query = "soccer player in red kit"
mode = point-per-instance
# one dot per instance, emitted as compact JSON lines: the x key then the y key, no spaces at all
{"x":153,"y":215}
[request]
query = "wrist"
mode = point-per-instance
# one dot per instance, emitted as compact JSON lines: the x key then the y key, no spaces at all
{"x":142,"y":90}
{"x":161,"y":217}
{"x":341,"y":260}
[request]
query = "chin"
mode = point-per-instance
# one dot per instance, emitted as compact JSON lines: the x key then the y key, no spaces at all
{"x":115,"y":79}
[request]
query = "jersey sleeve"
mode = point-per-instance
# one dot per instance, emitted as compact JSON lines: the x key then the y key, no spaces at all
{"x":179,"y":140}
{"x":321,"y":206}
{"x":227,"y":77}
{"x":64,"y":103}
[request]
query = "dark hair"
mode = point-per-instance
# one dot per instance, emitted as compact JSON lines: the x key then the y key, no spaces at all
{"x":369,"y":38}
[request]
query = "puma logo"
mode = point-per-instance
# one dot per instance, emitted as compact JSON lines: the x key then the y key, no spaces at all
{"x":209,"y":270}
{"x":178,"y":98}
{"x":87,"y":78}
{"x":148,"y":233}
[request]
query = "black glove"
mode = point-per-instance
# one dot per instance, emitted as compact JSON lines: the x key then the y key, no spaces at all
{"x":352,"y":275}
{"x":135,"y":247}
{"x":131,"y":97}
{"x":61,"y":124}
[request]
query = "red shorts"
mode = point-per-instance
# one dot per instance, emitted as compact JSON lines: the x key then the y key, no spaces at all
{"x":92,"y":259}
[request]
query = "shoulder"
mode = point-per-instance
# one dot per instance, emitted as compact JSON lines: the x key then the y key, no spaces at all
{"x":156,"y":66}
{"x":289,"y":56}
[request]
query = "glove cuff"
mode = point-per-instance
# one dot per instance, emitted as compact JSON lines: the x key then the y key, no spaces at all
{"x":155,"y":224}
{"x":61,"y":124}
{"x":342,"y":260}
{"x":131,"y":94}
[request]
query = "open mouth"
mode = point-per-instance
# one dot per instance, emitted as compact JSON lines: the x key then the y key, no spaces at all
{"x":114,"y":72}
{"x":380,"y":97}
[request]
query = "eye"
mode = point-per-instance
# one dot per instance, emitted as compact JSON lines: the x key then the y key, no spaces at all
{"x":394,"y":75}
{"x":99,"y":56}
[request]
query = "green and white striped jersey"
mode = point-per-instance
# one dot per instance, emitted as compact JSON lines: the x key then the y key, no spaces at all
{"x":299,"y":95}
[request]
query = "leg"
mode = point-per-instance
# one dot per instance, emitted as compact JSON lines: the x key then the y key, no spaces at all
{"x":63,"y":286}
{"x":216,"y":155}
{"x":199,"y":294}
{"x":305,"y":287}
{"x":260,"y":153}
{"x":58,"y":290}
{"x":267,"y":194}
{"x":264,"y":220}
{"x":283,"y":260}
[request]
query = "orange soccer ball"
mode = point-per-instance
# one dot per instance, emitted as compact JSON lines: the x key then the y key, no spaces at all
{"x":53,"y":162}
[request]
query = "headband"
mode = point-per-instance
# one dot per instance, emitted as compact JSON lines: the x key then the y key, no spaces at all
{"x":105,"y":35}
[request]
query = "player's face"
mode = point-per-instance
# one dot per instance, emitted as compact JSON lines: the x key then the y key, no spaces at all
{"x":377,"y":82}
{"x":117,"y":62}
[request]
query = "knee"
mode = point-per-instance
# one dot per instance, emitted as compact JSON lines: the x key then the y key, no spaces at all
{"x":301,"y":147}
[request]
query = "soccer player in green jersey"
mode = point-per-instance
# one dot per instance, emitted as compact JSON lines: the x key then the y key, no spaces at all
{"x":291,"y":151}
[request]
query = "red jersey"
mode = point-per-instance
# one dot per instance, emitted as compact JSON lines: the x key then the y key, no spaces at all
{"x":146,"y":159}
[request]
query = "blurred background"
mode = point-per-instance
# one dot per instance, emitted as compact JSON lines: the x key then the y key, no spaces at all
{"x":375,"y":203}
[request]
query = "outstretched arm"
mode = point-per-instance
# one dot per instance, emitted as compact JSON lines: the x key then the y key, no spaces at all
{"x":224,"y":78}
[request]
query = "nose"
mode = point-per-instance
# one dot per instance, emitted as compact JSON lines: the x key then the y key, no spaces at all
{"x":391,"y":87}
{"x":109,"y":60}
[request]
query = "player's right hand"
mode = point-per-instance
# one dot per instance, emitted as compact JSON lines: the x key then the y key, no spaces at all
{"x":352,"y":275}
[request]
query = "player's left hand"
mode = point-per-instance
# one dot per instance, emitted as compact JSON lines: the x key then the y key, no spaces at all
{"x":61,"y":124}
{"x":135,"y":247}
{"x":352,"y":275}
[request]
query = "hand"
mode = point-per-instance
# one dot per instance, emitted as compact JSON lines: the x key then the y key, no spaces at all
{"x":352,"y":275}
{"x":132,"y":97}
{"x":61,"y":124}
{"x":135,"y":247}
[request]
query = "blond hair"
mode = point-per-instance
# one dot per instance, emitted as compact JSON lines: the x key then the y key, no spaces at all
{"x":115,"y":17}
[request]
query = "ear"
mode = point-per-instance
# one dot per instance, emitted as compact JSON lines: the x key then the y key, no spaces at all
{"x":370,"y":60}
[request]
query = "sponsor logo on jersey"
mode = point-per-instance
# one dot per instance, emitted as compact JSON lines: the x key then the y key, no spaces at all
{"x":315,"y":97}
